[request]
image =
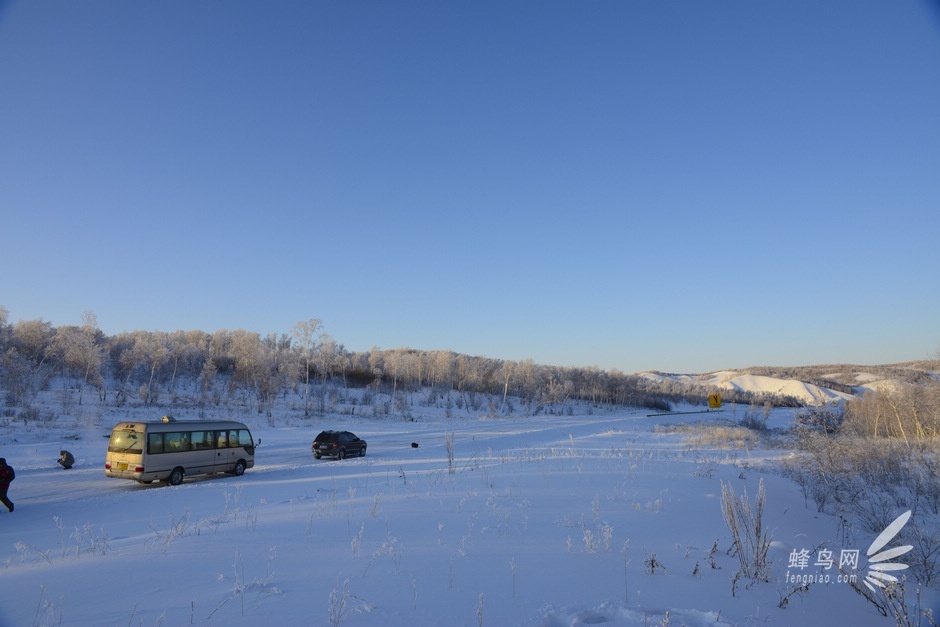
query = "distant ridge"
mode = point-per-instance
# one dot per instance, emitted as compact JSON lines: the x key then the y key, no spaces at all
{"x":812,"y":385}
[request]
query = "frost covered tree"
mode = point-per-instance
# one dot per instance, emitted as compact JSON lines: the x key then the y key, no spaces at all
{"x":81,"y":356}
{"x":29,"y":362}
{"x":306,"y":337}
{"x":4,"y":330}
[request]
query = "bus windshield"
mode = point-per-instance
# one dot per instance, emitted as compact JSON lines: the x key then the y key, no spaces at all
{"x":126,"y":441}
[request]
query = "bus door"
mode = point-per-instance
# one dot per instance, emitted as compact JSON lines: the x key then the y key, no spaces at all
{"x":226,"y":453}
{"x":202,"y":458}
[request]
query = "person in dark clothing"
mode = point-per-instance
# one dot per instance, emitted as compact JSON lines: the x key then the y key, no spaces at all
{"x":66,"y":459}
{"x":6,"y":476}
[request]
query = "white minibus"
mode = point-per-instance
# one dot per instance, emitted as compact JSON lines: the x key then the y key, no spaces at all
{"x":169,"y":450}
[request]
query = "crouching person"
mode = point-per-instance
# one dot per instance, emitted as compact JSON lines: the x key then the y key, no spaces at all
{"x":66,"y":459}
{"x":6,"y":476}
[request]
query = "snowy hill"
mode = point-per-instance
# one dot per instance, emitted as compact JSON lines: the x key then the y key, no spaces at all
{"x":807,"y":393}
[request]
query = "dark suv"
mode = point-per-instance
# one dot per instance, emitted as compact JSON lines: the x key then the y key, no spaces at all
{"x":338,"y":444}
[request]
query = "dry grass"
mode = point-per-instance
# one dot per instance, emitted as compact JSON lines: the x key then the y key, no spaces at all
{"x":751,"y":539}
{"x":714,"y":436}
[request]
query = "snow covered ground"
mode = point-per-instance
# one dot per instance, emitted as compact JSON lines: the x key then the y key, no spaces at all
{"x":594,"y":518}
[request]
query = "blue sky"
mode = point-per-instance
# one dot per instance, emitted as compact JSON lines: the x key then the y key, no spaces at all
{"x":681,"y":186}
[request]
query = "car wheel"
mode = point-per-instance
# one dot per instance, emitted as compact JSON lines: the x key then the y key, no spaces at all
{"x":176,"y":477}
{"x":317,"y":455}
{"x":362,"y":452}
{"x":239,"y":469}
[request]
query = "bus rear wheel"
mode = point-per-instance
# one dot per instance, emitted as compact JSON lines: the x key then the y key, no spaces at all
{"x":176,"y":477}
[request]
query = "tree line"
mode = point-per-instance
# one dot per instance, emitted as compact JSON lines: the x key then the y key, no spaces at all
{"x":150,"y":366}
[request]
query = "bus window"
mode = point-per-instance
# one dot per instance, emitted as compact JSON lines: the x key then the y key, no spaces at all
{"x":201,"y":440}
{"x":175,"y":442}
{"x":244,"y":437}
{"x":154,"y":443}
{"x":222,"y":440}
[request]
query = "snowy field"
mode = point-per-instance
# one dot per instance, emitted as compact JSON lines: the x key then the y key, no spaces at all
{"x":590,"y":519}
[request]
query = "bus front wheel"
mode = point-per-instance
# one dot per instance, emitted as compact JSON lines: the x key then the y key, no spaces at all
{"x":239,"y":469}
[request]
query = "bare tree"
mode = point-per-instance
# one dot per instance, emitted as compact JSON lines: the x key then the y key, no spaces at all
{"x":376,"y":364}
{"x":81,"y":357}
{"x":413,"y":369}
{"x":4,"y":329}
{"x":440,"y":368}
{"x":207,"y":376}
{"x":34,"y":338}
{"x":153,"y":353}
{"x":30,"y":361}
{"x":188,"y":351}
{"x":395,"y":366}
{"x":910,"y":411}
{"x":220,"y":350}
{"x":506,"y":370}
{"x":249,"y":361}
{"x":327,"y":357}
{"x":20,"y":377}
{"x":305,"y":333}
